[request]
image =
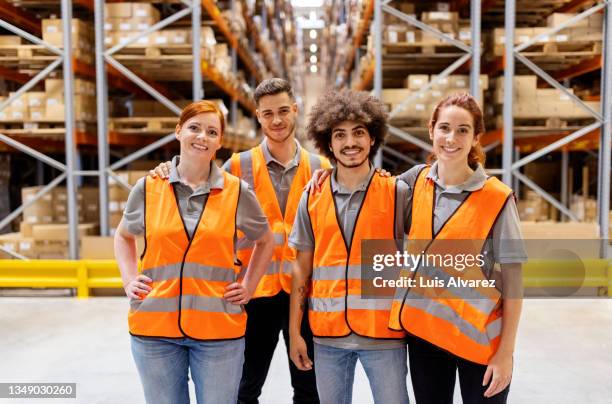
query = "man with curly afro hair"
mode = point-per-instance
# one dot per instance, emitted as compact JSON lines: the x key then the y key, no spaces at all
{"x":353,"y":205}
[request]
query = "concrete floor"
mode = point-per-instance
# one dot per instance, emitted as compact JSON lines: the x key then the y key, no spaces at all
{"x":564,"y":352}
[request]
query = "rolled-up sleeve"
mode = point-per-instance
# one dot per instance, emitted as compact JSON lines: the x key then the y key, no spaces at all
{"x":301,"y":237}
{"x":134,"y":212}
{"x":250,"y":218}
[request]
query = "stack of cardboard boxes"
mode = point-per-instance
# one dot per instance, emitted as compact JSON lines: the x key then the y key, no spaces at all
{"x":532,"y":207}
{"x":531,"y":102}
{"x":43,"y":232}
{"x":49,"y":105}
{"x":441,"y":18}
{"x":126,"y":20}
{"x":82,"y":37}
{"x":587,"y":30}
{"x":421,"y":108}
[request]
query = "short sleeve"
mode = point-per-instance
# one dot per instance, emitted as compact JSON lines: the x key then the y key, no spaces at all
{"x":250,"y":218}
{"x":403,"y":206}
{"x":301,"y":237}
{"x":227,"y":166}
{"x":409,"y":178}
{"x":134,"y":212}
{"x":508,"y":245}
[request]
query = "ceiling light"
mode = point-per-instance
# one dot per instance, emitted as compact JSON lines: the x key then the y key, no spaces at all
{"x":313,"y":34}
{"x":313,"y":59}
{"x":313,"y":48}
{"x":313,"y":68}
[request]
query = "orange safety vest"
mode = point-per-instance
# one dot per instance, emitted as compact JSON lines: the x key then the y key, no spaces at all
{"x":189,"y":274}
{"x":336,"y":308}
{"x":463,"y":320}
{"x":251,"y":167}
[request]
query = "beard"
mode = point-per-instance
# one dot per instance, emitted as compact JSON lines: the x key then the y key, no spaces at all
{"x":290,"y":130}
{"x":353,"y":165}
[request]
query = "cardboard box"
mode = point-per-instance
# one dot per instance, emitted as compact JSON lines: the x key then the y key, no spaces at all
{"x":25,"y":229}
{"x":221,"y":50}
{"x":556,"y":19}
{"x":118,"y":10}
{"x":102,"y":248}
{"x":37,"y":113}
{"x":395,"y":96}
{"x":441,"y":85}
{"x":9,"y":241}
{"x":459,"y":81}
{"x":10,"y":40}
{"x":144,"y":10}
{"x":59,"y":232}
{"x":27,"y":246}
{"x":417,"y":81}
{"x":440,"y":16}
{"x":207,"y":37}
{"x":82,"y":33}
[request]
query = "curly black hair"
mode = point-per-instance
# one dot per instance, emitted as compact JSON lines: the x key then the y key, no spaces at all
{"x":337,"y":106}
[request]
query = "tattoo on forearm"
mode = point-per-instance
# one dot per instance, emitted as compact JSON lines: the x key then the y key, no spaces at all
{"x":303,"y":292}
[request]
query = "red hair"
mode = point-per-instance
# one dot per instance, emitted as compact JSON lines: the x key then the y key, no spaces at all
{"x":201,"y":107}
{"x":468,"y":103}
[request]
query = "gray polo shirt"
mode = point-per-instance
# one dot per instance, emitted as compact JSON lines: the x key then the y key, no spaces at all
{"x":504,"y":245}
{"x":348,"y":203}
{"x":280,"y":175}
{"x":250,"y":219}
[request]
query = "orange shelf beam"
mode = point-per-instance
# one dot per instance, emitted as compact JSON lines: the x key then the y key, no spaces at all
{"x":572,"y":6}
{"x":243,"y":54}
{"x":366,"y":81}
{"x":88,"y":4}
{"x":365,"y":26}
{"x":20,"y":18}
{"x":14,"y":75}
{"x":581,"y":68}
{"x":590,"y":141}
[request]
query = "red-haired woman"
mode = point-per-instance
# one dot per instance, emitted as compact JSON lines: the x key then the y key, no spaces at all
{"x":186,"y":300}
{"x":453,"y":326}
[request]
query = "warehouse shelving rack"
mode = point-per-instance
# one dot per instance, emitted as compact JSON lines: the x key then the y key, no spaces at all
{"x":64,"y":59}
{"x":598,"y":132}
{"x":108,"y":72}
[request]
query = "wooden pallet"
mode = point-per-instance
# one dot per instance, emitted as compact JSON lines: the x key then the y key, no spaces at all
{"x":26,"y":54}
{"x":426,"y":48}
{"x":54,"y":129}
{"x":559,"y":50}
{"x":541,"y":124}
{"x":143,"y":125}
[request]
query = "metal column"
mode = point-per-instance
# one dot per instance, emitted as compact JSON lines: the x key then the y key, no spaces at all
{"x":606,"y":131}
{"x":71,"y":191}
{"x":196,"y":28}
{"x":475,"y":16}
{"x":377,"y":27}
{"x":508,"y":142}
{"x":102,"y":115}
{"x":564,"y":179}
{"x":234,"y":105}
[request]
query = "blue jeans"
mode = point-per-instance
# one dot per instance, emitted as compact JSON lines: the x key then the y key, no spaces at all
{"x":163,"y":365}
{"x":386,"y":370}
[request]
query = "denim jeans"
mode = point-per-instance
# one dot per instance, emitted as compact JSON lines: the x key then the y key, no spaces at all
{"x":163,"y":365}
{"x":386,"y":370}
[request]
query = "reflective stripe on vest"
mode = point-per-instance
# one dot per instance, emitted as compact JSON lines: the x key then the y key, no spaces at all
{"x":189,"y":275}
{"x":466,"y":321}
{"x":336,"y":306}
{"x":251,"y":167}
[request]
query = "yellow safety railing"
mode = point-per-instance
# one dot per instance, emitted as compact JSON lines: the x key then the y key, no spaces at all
{"x":87,"y":274}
